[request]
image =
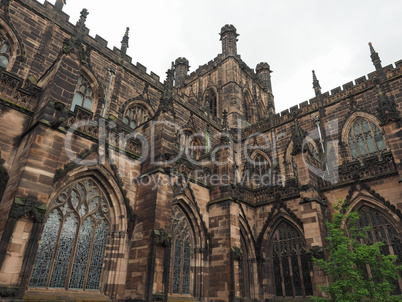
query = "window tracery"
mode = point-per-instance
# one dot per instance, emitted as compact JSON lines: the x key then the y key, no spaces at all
{"x":180,"y":278}
{"x":5,"y":52}
{"x":365,"y":139}
{"x":189,"y":143}
{"x":135,"y":116}
{"x":381,"y":230}
{"x":83,"y":95}
{"x":72,"y":247}
{"x":257,"y":172}
{"x":291,"y":266}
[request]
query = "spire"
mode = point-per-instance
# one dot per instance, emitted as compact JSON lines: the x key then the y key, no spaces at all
{"x":375,"y":58}
{"x":316,"y":85}
{"x":124,"y":42}
{"x":76,"y":40}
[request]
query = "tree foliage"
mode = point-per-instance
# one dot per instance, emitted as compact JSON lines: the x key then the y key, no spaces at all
{"x":356,"y":270}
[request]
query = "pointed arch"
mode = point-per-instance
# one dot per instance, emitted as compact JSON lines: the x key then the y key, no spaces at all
{"x":257,"y":171}
{"x":211,"y":100}
{"x":385,"y":226}
{"x":16,"y":48}
{"x":136,"y":112}
{"x":248,"y":106}
{"x":288,"y":266}
{"x":189,"y":244}
{"x":248,"y":278}
{"x":363,"y":137}
{"x":87,"y":208}
{"x":189,"y":142}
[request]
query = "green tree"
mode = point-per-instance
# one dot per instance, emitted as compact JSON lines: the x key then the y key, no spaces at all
{"x":356,"y":270}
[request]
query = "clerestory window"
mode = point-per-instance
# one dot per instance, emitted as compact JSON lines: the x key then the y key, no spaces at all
{"x":83,"y":95}
{"x":5,"y":52}
{"x":365,"y":139}
{"x":72,"y":246}
{"x":135,"y":116}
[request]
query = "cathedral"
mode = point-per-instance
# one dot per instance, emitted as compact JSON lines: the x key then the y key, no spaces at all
{"x":116,"y":185}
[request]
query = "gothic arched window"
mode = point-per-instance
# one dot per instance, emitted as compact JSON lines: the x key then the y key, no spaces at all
{"x":83,"y":95}
{"x":381,"y":230}
{"x":189,"y":143}
{"x":72,"y":247}
{"x":180,"y":274}
{"x":210,"y":101}
{"x":291,"y":265}
{"x":365,"y":139}
{"x":5,"y":52}
{"x":135,"y":116}
{"x":259,"y":171}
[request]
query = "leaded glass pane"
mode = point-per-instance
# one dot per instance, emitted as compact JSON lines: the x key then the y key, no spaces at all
{"x":46,"y":250}
{"x":370,"y":143}
{"x":95,"y":268}
{"x":177,"y":266}
{"x":308,"y":287}
{"x":72,"y":249}
{"x":81,"y":254}
{"x":278,"y":277}
{"x":77,"y":100}
{"x":296,"y":276}
{"x":4,"y":61}
{"x":136,"y":115}
{"x":186,"y":268}
{"x":62,"y":259}
{"x":362,"y":145}
{"x":356,"y":128}
{"x":4,"y":48}
{"x":290,"y":265}
{"x":87,"y":104}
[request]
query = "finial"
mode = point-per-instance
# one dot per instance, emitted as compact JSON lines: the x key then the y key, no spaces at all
{"x":316,"y":85}
{"x":375,"y":58}
{"x":75,"y":42}
{"x":124,"y":41}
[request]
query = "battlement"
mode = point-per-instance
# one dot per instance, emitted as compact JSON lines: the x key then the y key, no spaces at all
{"x":351,"y":88}
{"x":49,"y":11}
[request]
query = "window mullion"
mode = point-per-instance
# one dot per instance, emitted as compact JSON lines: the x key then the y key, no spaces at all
{"x":53,"y":259}
{"x":73,"y":252}
{"x":89,"y":256}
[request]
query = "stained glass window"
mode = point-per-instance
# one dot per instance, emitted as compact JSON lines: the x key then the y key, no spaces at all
{"x":259,"y":172}
{"x":83,"y":95}
{"x":72,"y":246}
{"x":181,"y":254}
{"x":135,"y":116}
{"x":382,"y":230}
{"x":5,"y":52}
{"x":291,"y":266}
{"x":365,"y":139}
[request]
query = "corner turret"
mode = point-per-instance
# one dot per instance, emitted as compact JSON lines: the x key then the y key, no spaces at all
{"x":229,"y":39}
{"x":264,"y":76}
{"x":181,"y":70}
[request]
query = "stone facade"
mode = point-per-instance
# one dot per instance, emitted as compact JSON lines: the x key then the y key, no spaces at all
{"x":115,"y":186}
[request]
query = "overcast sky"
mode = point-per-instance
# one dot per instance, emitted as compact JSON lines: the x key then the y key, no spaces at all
{"x":294,"y":37}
